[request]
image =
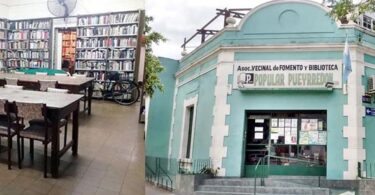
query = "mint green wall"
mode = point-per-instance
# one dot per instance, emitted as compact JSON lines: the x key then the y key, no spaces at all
{"x":369,"y":121}
{"x":160,"y":112}
{"x":204,"y":87}
{"x":332,"y":101}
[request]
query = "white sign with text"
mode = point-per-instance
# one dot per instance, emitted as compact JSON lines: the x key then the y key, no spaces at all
{"x":306,"y":74}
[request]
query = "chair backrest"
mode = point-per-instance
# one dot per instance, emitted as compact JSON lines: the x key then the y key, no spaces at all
{"x":45,"y":84}
{"x":3,"y":104}
{"x":29,"y":111}
{"x":17,"y":72}
{"x":11,"y":81}
{"x":55,"y":90}
{"x":41,"y":73}
{"x":13,"y":87}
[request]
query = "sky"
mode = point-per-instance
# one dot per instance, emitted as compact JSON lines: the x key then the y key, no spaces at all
{"x":177,"y":19}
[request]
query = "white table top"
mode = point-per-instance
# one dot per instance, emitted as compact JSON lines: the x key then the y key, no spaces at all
{"x":52,"y":100}
{"x":60,"y":79}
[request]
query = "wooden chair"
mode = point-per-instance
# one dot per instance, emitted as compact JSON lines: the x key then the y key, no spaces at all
{"x":39,"y":132}
{"x":11,"y":81}
{"x":45,"y":84}
{"x":7,"y":128}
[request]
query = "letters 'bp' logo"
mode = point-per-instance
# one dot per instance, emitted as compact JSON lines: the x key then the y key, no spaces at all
{"x":245,"y":79}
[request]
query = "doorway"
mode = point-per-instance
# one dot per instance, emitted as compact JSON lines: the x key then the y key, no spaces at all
{"x":286,"y":142}
{"x":66,"y":49}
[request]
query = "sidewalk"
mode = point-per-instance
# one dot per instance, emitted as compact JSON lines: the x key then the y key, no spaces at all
{"x":153,"y":190}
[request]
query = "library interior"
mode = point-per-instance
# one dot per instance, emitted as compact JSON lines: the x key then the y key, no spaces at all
{"x":71,"y":97}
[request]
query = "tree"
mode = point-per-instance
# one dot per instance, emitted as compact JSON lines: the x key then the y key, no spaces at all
{"x":152,"y":63}
{"x":341,"y":9}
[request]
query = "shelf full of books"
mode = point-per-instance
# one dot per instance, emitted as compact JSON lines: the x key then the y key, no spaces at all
{"x":28,"y":43}
{"x":107,"y":42}
{"x":3,"y":43}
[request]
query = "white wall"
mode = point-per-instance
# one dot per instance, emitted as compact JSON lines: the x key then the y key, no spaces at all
{"x":27,"y":9}
{"x":4,"y":9}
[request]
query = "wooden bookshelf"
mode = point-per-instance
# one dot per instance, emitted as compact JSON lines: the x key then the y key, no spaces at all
{"x":107,"y":42}
{"x":3,"y":43}
{"x":28,"y":43}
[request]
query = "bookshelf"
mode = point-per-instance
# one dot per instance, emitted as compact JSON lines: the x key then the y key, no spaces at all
{"x":3,"y":43}
{"x":28,"y":43}
{"x":107,"y":42}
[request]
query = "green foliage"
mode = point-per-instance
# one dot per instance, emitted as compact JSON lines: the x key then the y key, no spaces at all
{"x":342,"y":8}
{"x":152,"y":64}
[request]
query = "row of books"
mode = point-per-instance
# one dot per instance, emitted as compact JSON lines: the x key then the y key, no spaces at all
{"x":18,"y":54}
{"x":108,"y":19}
{"x":19,"y":35}
{"x":2,"y":64}
{"x":91,"y":65}
{"x":3,"y":44}
{"x":39,"y":34}
{"x":2,"y":35}
{"x":30,"y":24}
{"x":92,"y":54}
{"x":99,"y":75}
{"x":3,"y":55}
{"x":18,"y":63}
{"x":38,"y":45}
{"x":107,"y":42}
{"x":116,"y":54}
{"x":121,"y":66}
{"x":38,"y":64}
{"x":40,"y":54}
{"x":2,"y":24}
{"x":106,"y":31}
{"x":18,"y":45}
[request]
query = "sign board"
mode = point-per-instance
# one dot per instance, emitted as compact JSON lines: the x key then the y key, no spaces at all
{"x":298,"y":74}
{"x":370,"y":111}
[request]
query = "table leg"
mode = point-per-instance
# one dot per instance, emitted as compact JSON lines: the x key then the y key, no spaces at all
{"x":55,"y":142}
{"x":75,"y":130}
{"x":89,"y":97}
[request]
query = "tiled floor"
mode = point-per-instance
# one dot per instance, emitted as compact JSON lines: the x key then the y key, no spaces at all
{"x":110,"y":158}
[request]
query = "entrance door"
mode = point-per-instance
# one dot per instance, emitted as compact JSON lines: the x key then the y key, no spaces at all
{"x":289,"y":142}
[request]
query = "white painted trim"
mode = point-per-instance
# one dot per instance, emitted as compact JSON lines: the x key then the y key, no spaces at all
{"x":185,"y":128}
{"x":354,"y":110}
{"x":221,"y":109}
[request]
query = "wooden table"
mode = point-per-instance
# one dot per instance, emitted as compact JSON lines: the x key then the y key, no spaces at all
{"x":73,"y":84}
{"x":58,"y":107}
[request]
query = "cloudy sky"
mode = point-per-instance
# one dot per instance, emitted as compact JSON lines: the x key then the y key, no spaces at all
{"x":177,"y":19}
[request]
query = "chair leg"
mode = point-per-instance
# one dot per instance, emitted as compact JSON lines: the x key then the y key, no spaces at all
{"x":22,"y":148}
{"x":9,"y":152}
{"x":45,"y":159}
{"x":19,"y":152}
{"x":32,"y":150}
{"x":65,"y":134}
